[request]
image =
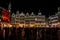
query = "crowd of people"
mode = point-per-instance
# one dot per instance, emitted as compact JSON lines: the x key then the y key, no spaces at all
{"x":28,"y":34}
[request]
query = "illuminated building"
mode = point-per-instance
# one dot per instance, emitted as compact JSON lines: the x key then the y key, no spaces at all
{"x":58,"y":14}
{"x":32,"y":20}
{"x":40,"y":20}
{"x":27,"y":20}
{"x":17,"y":19}
{"x":46,"y":22}
{"x":5,"y":16}
{"x":22,"y":19}
{"x":13,"y":19}
{"x":53,"y":21}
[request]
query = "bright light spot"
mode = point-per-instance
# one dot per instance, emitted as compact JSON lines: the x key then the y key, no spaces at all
{"x":5,"y":25}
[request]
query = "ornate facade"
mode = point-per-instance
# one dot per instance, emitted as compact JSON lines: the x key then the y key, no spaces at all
{"x":26,"y":20}
{"x":53,"y":21}
{"x":30,"y":20}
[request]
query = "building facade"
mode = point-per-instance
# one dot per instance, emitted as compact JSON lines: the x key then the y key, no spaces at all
{"x":40,"y":20}
{"x":53,"y":21}
{"x":30,"y":20}
{"x":26,"y":20}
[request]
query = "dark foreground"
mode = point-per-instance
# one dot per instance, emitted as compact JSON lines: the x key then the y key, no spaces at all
{"x":30,"y":34}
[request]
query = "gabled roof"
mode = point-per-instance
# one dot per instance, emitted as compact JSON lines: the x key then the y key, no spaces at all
{"x":17,"y":13}
{"x":13,"y":15}
{"x":27,"y":14}
{"x":32,"y":14}
{"x":53,"y":16}
{"x":22,"y":14}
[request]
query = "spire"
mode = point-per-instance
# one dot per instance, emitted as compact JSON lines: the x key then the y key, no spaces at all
{"x":32,"y":13}
{"x":9,"y":7}
{"x":22,"y":14}
{"x":58,"y":13}
{"x":58,"y":8}
{"x":39,"y":13}
{"x":27,"y":14}
{"x":17,"y":12}
{"x":13,"y":14}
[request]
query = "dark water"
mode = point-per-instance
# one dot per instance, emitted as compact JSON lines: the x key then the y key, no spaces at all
{"x":30,"y":34}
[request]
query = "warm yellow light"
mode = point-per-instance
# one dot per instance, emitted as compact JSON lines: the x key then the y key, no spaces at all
{"x":10,"y":25}
{"x":32,"y":25}
{"x":58,"y":25}
{"x":21,"y":25}
{"x":26,"y":25}
{"x":5,"y":25}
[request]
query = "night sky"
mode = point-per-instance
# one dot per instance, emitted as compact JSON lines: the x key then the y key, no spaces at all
{"x":47,"y":7}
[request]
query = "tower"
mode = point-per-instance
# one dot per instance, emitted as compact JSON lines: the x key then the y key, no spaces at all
{"x":58,"y":8}
{"x":9,"y":10}
{"x":9,"y":7}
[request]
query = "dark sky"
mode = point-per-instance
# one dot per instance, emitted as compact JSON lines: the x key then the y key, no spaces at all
{"x":47,"y":7}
